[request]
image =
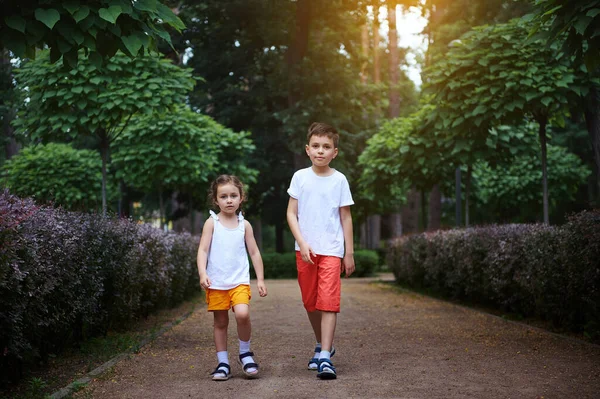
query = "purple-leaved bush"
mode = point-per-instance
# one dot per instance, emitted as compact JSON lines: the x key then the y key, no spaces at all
{"x":67,"y":276}
{"x":549,"y":272}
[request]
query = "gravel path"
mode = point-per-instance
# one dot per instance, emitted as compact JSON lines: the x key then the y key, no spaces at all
{"x":389,"y":344}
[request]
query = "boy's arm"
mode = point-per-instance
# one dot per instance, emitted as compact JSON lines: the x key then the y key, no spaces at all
{"x":348,"y":261}
{"x":257,"y":262}
{"x":203,"y":248}
{"x":292,"y":219}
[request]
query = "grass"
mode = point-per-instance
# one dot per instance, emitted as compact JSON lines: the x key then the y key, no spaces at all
{"x":64,"y":368}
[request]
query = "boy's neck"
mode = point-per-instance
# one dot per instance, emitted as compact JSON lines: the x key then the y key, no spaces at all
{"x":323,"y":170}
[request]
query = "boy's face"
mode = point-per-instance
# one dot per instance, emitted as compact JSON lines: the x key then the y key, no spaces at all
{"x":321,"y":151}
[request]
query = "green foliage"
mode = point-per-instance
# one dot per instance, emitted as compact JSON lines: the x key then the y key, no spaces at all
{"x":388,"y":164}
{"x":101,"y":28}
{"x":512,"y":190}
{"x":578,"y":21}
{"x":492,"y":76}
{"x":56,"y":173}
{"x":96,"y":101}
{"x":180,"y":150}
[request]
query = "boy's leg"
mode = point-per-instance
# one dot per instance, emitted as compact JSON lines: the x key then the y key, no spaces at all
{"x":315,"y":322}
{"x":328,"y":323}
{"x":328,"y":302}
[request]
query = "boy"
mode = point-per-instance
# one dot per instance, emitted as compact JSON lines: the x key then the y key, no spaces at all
{"x":319,"y":217}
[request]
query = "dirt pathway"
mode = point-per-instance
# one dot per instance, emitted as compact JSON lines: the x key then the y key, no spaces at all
{"x":390,"y":345}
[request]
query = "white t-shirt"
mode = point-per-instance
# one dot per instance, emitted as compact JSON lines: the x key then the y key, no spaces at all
{"x":319,"y":201}
{"x":228,"y":264}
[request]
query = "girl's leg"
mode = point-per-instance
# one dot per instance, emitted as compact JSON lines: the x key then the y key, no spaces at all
{"x":221,"y":322}
{"x":244,"y":328}
{"x":242,"y":317}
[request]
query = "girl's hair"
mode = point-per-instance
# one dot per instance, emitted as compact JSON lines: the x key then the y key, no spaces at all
{"x":221,"y":180}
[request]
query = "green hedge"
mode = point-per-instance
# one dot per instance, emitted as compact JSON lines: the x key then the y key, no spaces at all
{"x":539,"y":271}
{"x":284,"y":265}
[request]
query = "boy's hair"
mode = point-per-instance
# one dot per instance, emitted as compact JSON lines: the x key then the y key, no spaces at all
{"x":225,"y":179}
{"x":323,"y":129}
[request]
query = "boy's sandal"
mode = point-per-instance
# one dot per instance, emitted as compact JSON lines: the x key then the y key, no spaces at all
{"x":313,"y":364}
{"x":247,"y":366}
{"x":326,"y":370}
{"x":221,"y":375}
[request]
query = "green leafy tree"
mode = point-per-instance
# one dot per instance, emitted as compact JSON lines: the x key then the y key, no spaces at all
{"x":576,"y":24}
{"x":510,"y":191}
{"x":492,"y":76}
{"x":100,"y":27}
{"x":272,"y":68}
{"x":87,"y":101}
{"x":56,"y":173}
{"x":180,"y":150}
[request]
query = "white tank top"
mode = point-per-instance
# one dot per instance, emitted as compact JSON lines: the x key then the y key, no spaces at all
{"x":228,"y":264}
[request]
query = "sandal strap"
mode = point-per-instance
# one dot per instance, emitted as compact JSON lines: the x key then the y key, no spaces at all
{"x":250,"y":365}
{"x":325,"y":363}
{"x":314,"y":360}
{"x":243,"y":355}
{"x":222,"y":365}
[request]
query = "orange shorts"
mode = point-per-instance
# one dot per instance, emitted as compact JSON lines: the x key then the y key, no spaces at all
{"x":226,"y":299}
{"x":320,"y":284}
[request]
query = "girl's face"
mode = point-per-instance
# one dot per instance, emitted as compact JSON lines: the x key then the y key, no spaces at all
{"x":228,"y":198}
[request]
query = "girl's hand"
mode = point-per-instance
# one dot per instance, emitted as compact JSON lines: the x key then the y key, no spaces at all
{"x":262,"y":288}
{"x":306,"y":252}
{"x":204,"y":281}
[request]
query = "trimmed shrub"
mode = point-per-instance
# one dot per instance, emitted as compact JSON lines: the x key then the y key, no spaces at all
{"x":66,"y":276}
{"x":534,"y":270}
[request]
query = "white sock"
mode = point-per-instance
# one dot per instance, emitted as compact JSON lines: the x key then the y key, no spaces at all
{"x":317,"y":352}
{"x":223,"y":357}
{"x":325,"y":355}
{"x":244,"y":348}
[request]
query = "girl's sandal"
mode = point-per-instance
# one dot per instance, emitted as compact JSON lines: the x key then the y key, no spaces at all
{"x":247,"y":366}
{"x":221,"y":375}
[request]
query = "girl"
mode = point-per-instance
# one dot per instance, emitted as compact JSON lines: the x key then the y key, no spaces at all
{"x":225,"y":272}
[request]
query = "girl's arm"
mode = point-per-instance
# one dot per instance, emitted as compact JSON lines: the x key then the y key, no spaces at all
{"x":292,"y":219}
{"x":203,"y":248}
{"x":348,"y":261}
{"x":257,"y":262}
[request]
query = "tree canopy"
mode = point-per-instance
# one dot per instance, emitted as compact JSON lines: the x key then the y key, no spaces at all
{"x":100,"y":27}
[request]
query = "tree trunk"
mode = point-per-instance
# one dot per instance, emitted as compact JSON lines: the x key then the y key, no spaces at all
{"x":435,"y":209}
{"x":104,"y":148}
{"x":592,"y":120}
{"x":542,"y":133}
{"x":394,"y":112}
{"x":161,"y":205}
{"x":376,"y":66}
{"x":458,"y":196}
{"x":279,"y":245}
{"x":410,"y":212}
{"x":298,"y":47}
{"x":467,"y":192}
{"x":373,"y":224}
{"x":11,"y":146}
{"x":257,"y":228}
{"x":394,"y":108}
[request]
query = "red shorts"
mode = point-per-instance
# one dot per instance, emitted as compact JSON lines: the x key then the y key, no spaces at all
{"x":320,"y":284}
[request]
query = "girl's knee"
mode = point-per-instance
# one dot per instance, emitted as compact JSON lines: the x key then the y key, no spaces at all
{"x":221,"y":320}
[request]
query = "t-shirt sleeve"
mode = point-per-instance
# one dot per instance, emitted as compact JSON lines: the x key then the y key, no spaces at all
{"x":294,"y":189}
{"x":345,"y":195}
